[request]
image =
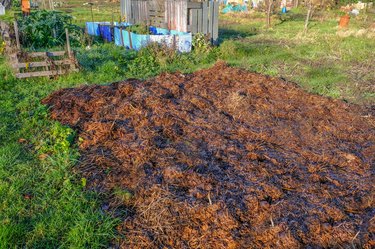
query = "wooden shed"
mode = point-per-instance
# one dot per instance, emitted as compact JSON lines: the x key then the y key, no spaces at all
{"x":182,"y":15}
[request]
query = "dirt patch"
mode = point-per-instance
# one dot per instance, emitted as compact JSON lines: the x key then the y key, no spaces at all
{"x":224,"y":158}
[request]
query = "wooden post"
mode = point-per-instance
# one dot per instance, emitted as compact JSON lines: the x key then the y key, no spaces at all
{"x":70,"y":54}
{"x":17,"y":35}
{"x":215,"y":25}
{"x":174,"y":42}
{"x":130,"y":40}
{"x":68,"y":43}
{"x":211,"y":20}
{"x":308,"y":16}
{"x":122,"y":38}
{"x":205,"y":17}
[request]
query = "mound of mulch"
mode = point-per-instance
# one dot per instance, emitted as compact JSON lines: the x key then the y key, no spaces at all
{"x":225,"y":158}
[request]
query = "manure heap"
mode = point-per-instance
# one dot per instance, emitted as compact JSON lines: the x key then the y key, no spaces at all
{"x":225,"y":158}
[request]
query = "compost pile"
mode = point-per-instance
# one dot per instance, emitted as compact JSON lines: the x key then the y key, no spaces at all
{"x":225,"y":158}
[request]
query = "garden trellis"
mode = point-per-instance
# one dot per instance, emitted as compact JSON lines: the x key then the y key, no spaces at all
{"x":180,"y":15}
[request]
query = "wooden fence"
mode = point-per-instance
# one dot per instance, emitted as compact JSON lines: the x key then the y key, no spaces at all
{"x":181,"y":15}
{"x":35,"y":64}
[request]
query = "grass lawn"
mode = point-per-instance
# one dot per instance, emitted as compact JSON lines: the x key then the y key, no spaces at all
{"x":43,"y":200}
{"x":323,"y":61}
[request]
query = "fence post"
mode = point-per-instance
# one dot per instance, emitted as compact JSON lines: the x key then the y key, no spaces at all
{"x":215,"y":25}
{"x":130,"y":40}
{"x":122,"y":38}
{"x":70,"y":54}
{"x":68,"y":43}
{"x":174,"y":42}
{"x":205,"y":17}
{"x":210,"y":19}
{"x":17,"y":35}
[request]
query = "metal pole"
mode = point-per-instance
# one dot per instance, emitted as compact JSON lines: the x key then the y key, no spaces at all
{"x":92,"y":13}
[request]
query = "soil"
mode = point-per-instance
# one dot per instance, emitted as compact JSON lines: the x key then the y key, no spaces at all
{"x":226,"y":158}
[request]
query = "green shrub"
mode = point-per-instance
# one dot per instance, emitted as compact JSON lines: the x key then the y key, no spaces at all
{"x":145,"y":64}
{"x":201,"y":42}
{"x":95,"y":57}
{"x":113,"y":62}
{"x":46,"y":29}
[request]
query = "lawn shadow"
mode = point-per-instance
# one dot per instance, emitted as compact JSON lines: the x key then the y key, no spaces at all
{"x":227,"y":33}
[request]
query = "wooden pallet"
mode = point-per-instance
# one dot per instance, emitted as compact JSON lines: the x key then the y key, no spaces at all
{"x":36,"y":64}
{"x":43,"y":64}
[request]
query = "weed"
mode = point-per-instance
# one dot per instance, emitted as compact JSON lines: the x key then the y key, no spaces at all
{"x":2,"y":46}
{"x":123,"y":195}
{"x":201,"y":42}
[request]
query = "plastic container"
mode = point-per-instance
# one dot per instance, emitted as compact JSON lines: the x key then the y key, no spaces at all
{"x":344,"y":21}
{"x":2,"y":10}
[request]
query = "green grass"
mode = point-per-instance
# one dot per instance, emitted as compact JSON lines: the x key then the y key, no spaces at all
{"x":43,"y":203}
{"x":320,"y":61}
{"x":101,"y":11}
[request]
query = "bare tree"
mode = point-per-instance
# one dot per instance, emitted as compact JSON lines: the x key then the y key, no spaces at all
{"x":269,"y":4}
{"x":308,"y":16}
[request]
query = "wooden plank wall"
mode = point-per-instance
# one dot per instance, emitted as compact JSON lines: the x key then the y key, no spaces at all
{"x":138,"y":12}
{"x":176,"y":14}
{"x":204,"y":18}
{"x":181,"y":15}
{"x":156,"y":13}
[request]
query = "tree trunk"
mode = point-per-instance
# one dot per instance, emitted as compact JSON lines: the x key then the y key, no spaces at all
{"x":269,"y":8}
{"x":308,"y":16}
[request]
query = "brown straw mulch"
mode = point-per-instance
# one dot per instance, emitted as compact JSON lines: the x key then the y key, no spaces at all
{"x":225,"y":158}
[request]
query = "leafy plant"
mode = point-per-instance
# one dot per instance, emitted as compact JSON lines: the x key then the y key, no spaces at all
{"x":46,"y":29}
{"x":201,"y":42}
{"x":140,"y":29}
{"x":2,"y":46}
{"x":144,"y":65}
{"x":16,"y":4}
